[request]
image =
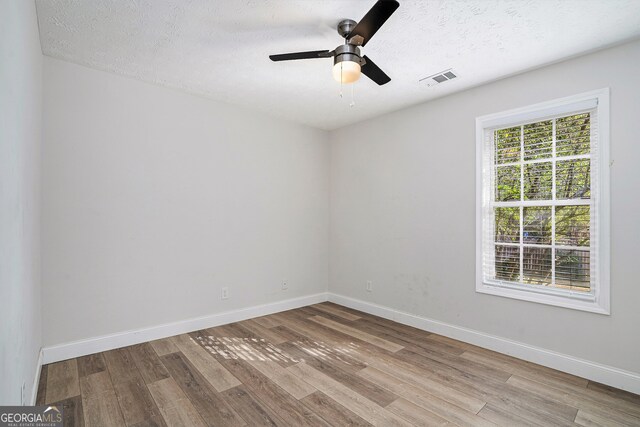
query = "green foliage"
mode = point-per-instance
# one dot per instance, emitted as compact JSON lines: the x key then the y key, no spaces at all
{"x":507,"y":225}
{"x":573,"y":135}
{"x":507,"y":183}
{"x":538,"y":140}
{"x":538,"y":181}
{"x":573,"y":224}
{"x":573,"y":179}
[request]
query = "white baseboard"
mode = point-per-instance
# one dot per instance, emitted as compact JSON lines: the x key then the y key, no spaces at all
{"x":609,"y":375}
{"x":122,"y":339}
{"x":36,"y":379}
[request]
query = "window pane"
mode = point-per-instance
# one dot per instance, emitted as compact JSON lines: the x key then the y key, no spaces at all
{"x":573,"y":135}
{"x":507,"y":183}
{"x":507,"y":225}
{"x":536,"y":265}
{"x":507,"y":145}
{"x":537,"y":225}
{"x":538,"y":181}
{"x":538,"y":140}
{"x":507,"y":263}
{"x":573,"y":225}
{"x":573,"y":179}
{"x":572,"y":269}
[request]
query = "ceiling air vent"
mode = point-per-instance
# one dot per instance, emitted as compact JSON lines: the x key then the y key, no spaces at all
{"x":437,"y":78}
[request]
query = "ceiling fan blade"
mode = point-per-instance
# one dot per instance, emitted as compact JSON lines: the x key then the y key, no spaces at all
{"x":371,"y":70}
{"x":301,"y":55}
{"x":372,"y":21}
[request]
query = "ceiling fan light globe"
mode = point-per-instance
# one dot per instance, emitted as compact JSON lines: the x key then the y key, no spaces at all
{"x":346,"y":71}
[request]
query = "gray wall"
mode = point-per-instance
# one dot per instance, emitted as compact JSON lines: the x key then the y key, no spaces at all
{"x":153,"y":200}
{"x":403,"y":212}
{"x":20,"y":137}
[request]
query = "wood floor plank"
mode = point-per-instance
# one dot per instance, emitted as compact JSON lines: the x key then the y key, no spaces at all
{"x":614,"y":392}
{"x":391,"y":325}
{"x":234,"y":341}
{"x":416,"y":414}
{"x":331,"y":309}
{"x":182,"y":414}
{"x":164,"y":346}
{"x":166,"y":393}
{"x":310,"y":311}
{"x":103,"y":411}
{"x":94,"y":385}
{"x":408,"y":340}
{"x":41,"y":397}
{"x":303,"y":347}
{"x":349,"y":309}
{"x":121,"y":365}
{"x":250,"y":409}
{"x":535,"y":408}
{"x":525,"y":369}
{"x":332,"y":412}
{"x":587,"y":419}
{"x":289,"y":334}
{"x":287,"y":407}
{"x":136,"y":404}
{"x":380,"y":342}
{"x":240,"y":342}
{"x":270,"y":321}
{"x":394,"y":379}
{"x":209,"y":404}
{"x":428,"y":401}
{"x":504,"y":418}
{"x":360,"y":405}
{"x":334,"y":338}
{"x":436,"y":360}
{"x":355,"y":382}
{"x":62,"y":381}
{"x":174,"y":406}
{"x":72,"y":413}
{"x":148,"y":363}
{"x":492,"y":390}
{"x":345,"y":344}
{"x":268,"y":334}
{"x":584,"y":402}
{"x":282,"y":377}
{"x":91,"y":364}
{"x":214,"y":372}
{"x":462,"y":346}
{"x":507,"y":397}
{"x":588,"y":398}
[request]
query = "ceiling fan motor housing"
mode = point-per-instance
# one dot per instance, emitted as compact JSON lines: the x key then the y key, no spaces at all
{"x":347,"y":52}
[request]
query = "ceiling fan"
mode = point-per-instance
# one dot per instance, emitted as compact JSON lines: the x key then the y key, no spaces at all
{"x":347,"y":61}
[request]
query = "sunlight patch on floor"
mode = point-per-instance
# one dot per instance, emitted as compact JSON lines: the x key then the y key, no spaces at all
{"x":254,"y":349}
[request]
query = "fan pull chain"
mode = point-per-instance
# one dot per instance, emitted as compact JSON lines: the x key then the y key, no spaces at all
{"x":353,"y":99}
{"x":341,"y":80}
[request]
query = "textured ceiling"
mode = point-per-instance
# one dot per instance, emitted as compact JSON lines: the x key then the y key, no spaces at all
{"x":219,"y":48}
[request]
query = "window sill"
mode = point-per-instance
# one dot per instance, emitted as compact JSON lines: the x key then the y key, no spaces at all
{"x":583,"y":304}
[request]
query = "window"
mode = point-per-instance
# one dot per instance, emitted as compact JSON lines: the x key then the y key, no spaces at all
{"x":543,"y":203}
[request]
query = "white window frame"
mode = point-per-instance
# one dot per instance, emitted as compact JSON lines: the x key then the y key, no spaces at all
{"x":599,"y":300}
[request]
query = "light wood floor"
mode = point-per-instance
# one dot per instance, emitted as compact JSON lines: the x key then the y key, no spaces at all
{"x":322,"y":365}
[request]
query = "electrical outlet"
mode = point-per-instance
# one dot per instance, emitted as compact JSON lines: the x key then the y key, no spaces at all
{"x":367,"y":286}
{"x":23,"y":398}
{"x":225,"y":293}
{"x":285,"y":286}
